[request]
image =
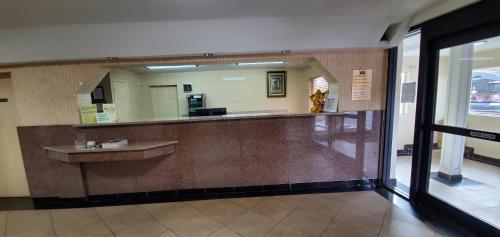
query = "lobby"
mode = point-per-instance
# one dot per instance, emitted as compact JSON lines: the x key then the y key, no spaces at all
{"x":236,"y":118}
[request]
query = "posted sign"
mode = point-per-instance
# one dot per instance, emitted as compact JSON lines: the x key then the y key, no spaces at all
{"x":362,"y":84}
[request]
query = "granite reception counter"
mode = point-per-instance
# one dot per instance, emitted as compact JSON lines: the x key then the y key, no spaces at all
{"x":216,"y":153}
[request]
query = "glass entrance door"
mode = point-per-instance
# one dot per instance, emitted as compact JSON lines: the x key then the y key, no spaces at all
{"x":464,"y":158}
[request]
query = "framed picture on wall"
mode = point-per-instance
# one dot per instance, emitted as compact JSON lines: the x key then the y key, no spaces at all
{"x":276,"y":84}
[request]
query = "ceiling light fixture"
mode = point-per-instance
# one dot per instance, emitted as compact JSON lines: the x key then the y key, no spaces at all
{"x":169,"y":67}
{"x":259,"y":63}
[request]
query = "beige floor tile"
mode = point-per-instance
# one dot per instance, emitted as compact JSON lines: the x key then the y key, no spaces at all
{"x":176,"y":214}
{"x":29,"y":223}
{"x":363,"y":220}
{"x":322,"y":206}
{"x":283,"y":231}
{"x":118,"y":218}
{"x":154,"y":208}
{"x":338,"y":197}
{"x":395,"y":212}
{"x":306,"y":221}
{"x":2,"y":230}
{"x":37,"y":231}
{"x":73,"y":218}
{"x":247,"y":202}
{"x":252,"y":224}
{"x":273,"y":208}
{"x":168,"y":233}
{"x":339,"y":229}
{"x":149,"y":227}
{"x":396,"y":228}
{"x":203,"y":205}
{"x":225,"y":212}
{"x":96,"y":229}
{"x":199,"y":226}
{"x":293,"y":200}
{"x":369,"y":202}
{"x":225,"y":232}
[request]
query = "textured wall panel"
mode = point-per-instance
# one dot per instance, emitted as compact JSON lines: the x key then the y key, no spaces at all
{"x":46,"y":93}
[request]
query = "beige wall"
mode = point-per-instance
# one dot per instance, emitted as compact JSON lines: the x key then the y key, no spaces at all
{"x":47,"y":93}
{"x":485,"y":123}
{"x":12,"y":176}
{"x":237,"y":96}
{"x":139,"y":94}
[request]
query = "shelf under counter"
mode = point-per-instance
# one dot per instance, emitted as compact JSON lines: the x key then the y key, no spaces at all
{"x":133,"y":151}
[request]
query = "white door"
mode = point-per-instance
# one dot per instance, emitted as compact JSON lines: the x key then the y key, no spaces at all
{"x":122,"y":101}
{"x":12,"y":175}
{"x":165,"y":104}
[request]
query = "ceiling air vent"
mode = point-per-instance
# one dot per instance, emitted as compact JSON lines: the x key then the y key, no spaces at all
{"x":390,"y":32}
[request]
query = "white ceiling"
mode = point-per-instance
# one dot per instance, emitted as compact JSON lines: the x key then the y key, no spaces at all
{"x":36,"y":13}
{"x":44,"y":30}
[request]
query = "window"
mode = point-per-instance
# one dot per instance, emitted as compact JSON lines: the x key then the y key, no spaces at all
{"x":318,"y":83}
{"x":485,"y":92}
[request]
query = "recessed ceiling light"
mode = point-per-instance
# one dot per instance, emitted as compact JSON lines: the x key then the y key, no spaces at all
{"x":167,"y":67}
{"x":259,"y":63}
{"x":479,"y":43}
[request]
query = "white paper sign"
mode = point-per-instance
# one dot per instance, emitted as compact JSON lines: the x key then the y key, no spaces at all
{"x":362,"y":84}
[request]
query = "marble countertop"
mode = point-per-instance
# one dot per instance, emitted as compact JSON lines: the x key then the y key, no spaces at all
{"x":211,"y":118}
{"x":137,"y":146}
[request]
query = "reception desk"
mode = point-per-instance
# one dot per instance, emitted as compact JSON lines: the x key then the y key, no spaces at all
{"x":214,"y":155}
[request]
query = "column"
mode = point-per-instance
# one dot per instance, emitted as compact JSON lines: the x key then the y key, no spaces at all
{"x":458,"y":96}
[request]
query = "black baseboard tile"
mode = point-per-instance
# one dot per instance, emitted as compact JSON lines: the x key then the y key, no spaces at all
{"x":276,"y":187}
{"x":332,"y":184}
{"x":220,"y":190}
{"x":131,"y":196}
{"x":162,"y":194}
{"x":248,"y":189}
{"x":191,"y":192}
{"x":311,"y":185}
{"x":208,"y":193}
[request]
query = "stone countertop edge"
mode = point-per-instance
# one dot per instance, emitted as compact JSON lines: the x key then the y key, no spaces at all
{"x":210,"y":118}
{"x":137,"y":146}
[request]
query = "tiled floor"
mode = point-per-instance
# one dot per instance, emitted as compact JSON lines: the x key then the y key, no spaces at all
{"x":481,"y":200}
{"x":331,"y":214}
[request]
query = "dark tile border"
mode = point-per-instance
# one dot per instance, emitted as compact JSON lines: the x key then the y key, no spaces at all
{"x":188,"y":195}
{"x":427,"y":215}
{"x":408,"y":149}
{"x":469,"y":154}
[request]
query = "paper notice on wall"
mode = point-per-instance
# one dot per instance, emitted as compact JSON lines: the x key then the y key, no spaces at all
{"x":408,"y":92}
{"x":108,"y":114}
{"x":88,"y":113}
{"x":362,"y":84}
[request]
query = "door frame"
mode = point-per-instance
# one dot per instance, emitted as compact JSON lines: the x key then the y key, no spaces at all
{"x":128,"y":96}
{"x":476,"y":22}
{"x":162,"y":86}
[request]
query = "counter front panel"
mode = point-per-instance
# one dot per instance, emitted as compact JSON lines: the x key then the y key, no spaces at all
{"x":210,"y":154}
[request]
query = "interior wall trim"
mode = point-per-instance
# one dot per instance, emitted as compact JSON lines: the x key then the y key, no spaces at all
{"x":5,"y":75}
{"x":178,"y":58}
